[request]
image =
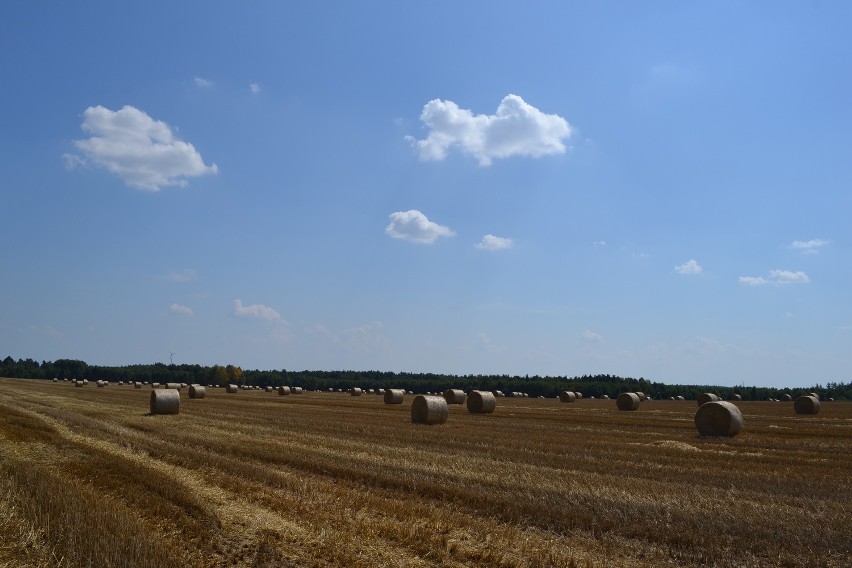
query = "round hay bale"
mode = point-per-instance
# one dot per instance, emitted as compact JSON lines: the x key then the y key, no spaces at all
{"x":498,"y":393}
{"x":605,"y":396}
{"x":101,"y":384}
{"x":736,"y":396}
{"x":55,"y":380}
{"x":481,"y":402}
{"x":137,"y":385}
{"x":578,"y":394}
{"x":628,"y":401}
{"x":197,"y":391}
{"x":174,"y":386}
{"x":806,"y":405}
{"x":283,"y":391}
{"x":567,"y":396}
{"x":641,"y":395}
{"x":78,"y":383}
{"x":165,"y":401}
{"x":355,"y":391}
{"x":183,"y":385}
{"x":429,"y":409}
{"x":155,"y":385}
{"x":454,"y":396}
{"x":813,"y":394}
{"x":394,"y":396}
{"x":786,"y":397}
{"x":706,"y":397}
{"x":268,"y":389}
{"x":231,"y":389}
{"x":85,"y":381}
{"x":297,"y":390}
{"x":718,"y":418}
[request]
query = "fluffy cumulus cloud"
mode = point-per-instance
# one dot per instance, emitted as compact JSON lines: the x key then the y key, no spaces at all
{"x":809,"y":247}
{"x":203,"y":83}
{"x":777,"y":277}
{"x":689,"y":267}
{"x":414,"y":226}
{"x":516,"y":129}
{"x":492,"y":243}
{"x":140,"y":150}
{"x":255,"y":311}
{"x":180,"y":310}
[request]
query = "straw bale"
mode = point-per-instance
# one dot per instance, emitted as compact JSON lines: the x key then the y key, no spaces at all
{"x":454,"y":396}
{"x":567,"y":396}
{"x":641,"y":395}
{"x":165,"y":401}
{"x":628,"y":401}
{"x":806,"y":405}
{"x":706,"y":397}
{"x":355,"y":391}
{"x":283,"y":391}
{"x":718,"y":418}
{"x":231,"y":389}
{"x":429,"y":409}
{"x":786,"y":397}
{"x":297,"y":390}
{"x":394,"y":396}
{"x":481,"y":402}
{"x":197,"y":391}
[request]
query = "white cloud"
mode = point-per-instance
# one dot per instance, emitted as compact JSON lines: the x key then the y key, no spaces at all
{"x":516,"y":129}
{"x":591,"y":336}
{"x":689,"y":267}
{"x":789,"y":277}
{"x":492,"y":243}
{"x":255,"y":311}
{"x":777,"y":277}
{"x":599,"y":243}
{"x":182,"y":277}
{"x":254,"y":88}
{"x":809,"y":247}
{"x":203,"y":83}
{"x":414,"y":226}
{"x":365,"y":336}
{"x":180,"y":310}
{"x":753,"y":280}
{"x":140,"y":150}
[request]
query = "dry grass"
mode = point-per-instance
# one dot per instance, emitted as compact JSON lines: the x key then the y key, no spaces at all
{"x":89,"y":479}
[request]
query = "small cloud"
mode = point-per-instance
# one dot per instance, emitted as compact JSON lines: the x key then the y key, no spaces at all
{"x":809,"y":247}
{"x":181,"y":277}
{"x":73,"y":161}
{"x":414,"y":226}
{"x":492,"y":243}
{"x":752,"y":280}
{"x":140,"y":150}
{"x":255,"y":311}
{"x":365,"y":336}
{"x":254,"y":88}
{"x":588,"y":335}
{"x":516,"y":129}
{"x":777,"y":277}
{"x":203,"y":83}
{"x":689,"y":267}
{"x":599,"y":243}
{"x":180,"y":310}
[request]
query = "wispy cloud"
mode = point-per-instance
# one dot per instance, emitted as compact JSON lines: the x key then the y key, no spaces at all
{"x":182,"y":276}
{"x":492,"y":243}
{"x":516,"y":129}
{"x":203,"y":83}
{"x":180,"y":310}
{"x":591,"y":336}
{"x":689,"y":267}
{"x":254,"y":88}
{"x":412,"y":225}
{"x":777,"y":277}
{"x":809,"y":247}
{"x":255,"y":311}
{"x":140,"y":150}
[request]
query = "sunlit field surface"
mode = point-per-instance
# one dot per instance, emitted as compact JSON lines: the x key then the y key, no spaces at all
{"x":89,"y":478}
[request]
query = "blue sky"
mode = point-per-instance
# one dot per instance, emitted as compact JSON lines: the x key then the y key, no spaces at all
{"x":657,"y":189}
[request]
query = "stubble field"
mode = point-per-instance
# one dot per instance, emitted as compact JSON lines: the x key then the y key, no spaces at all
{"x":89,"y":478}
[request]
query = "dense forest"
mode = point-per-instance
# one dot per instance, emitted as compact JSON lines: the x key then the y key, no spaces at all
{"x":589,"y":385}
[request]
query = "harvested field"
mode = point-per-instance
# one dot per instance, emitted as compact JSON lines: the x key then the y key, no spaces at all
{"x":89,"y":478}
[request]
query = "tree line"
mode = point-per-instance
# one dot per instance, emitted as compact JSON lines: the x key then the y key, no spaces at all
{"x":549,"y":386}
